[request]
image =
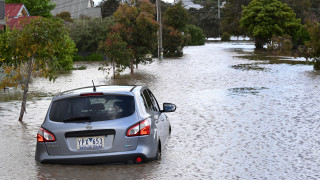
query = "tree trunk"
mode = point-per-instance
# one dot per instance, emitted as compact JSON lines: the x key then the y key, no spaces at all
{"x":136,"y":65}
{"x":132,"y":66}
{"x":259,"y":43}
{"x":26,"y":88}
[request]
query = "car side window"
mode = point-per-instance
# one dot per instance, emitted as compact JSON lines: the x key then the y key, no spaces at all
{"x":154,"y":101}
{"x":142,"y":99}
{"x":148,"y":101}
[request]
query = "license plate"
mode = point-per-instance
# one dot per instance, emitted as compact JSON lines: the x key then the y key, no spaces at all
{"x":95,"y":142}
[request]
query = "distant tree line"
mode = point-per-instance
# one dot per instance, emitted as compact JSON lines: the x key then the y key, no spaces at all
{"x":287,"y":27}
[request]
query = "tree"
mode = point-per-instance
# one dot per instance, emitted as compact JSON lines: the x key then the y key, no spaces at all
{"x":176,"y":16}
{"x":117,"y":50}
{"x":195,"y":35}
{"x":175,"y":21}
{"x":36,"y":7}
{"x":265,"y":18}
{"x":109,"y":7}
{"x":299,"y":7}
{"x":231,"y":14}
{"x":173,"y":42}
{"x":41,"y":48}
{"x":87,"y":33}
{"x":313,"y":28}
{"x":315,"y":7}
{"x":65,"y":16}
{"x":138,"y":28}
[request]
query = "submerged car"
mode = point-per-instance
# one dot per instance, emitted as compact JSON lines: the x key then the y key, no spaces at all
{"x":104,"y":124}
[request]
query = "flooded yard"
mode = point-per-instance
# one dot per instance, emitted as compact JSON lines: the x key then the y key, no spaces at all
{"x":241,"y":114}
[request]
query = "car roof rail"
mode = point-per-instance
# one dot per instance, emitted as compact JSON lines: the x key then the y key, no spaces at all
{"x":134,"y":86}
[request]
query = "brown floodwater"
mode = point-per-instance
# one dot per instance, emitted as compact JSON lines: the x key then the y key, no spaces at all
{"x":242,"y":114}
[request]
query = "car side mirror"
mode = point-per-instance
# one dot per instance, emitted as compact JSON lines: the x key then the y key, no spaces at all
{"x":168,"y":107}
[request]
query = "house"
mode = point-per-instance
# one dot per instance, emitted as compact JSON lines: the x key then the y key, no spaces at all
{"x":187,"y":4}
{"x":16,"y":15}
{"x":77,"y":8}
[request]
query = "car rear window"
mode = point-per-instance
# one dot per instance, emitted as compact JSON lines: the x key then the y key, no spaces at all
{"x":92,"y":108}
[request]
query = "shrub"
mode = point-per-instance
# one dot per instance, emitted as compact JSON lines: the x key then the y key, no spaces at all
{"x":196,"y":35}
{"x":94,"y":57}
{"x":281,"y":45}
{"x":225,"y":36}
{"x":65,"y":16}
{"x":77,"y":57}
{"x":316,"y":65}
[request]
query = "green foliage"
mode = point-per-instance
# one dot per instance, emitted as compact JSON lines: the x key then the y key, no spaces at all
{"x":64,"y":53}
{"x":94,"y":57}
{"x":206,"y":18}
{"x":173,"y":42}
{"x":43,"y":41}
{"x":65,"y":16}
{"x":300,"y":7}
{"x":265,"y":18}
{"x":196,"y":35}
{"x":175,"y":21}
{"x":176,"y":16}
{"x":313,"y":28}
{"x":137,"y":27}
{"x":77,"y":57}
{"x":117,"y":50}
{"x":231,"y":14}
{"x":225,"y":36}
{"x":36,"y":7}
{"x":41,"y":48}
{"x":109,"y":7}
{"x":301,"y":37}
{"x":88,"y":33}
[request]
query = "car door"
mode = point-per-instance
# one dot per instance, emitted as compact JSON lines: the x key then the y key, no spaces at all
{"x":162,"y":120}
{"x":153,"y":109}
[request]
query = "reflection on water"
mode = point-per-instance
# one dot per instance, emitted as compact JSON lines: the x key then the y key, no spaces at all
{"x":249,"y":67}
{"x":246,"y":90}
{"x":231,"y":123}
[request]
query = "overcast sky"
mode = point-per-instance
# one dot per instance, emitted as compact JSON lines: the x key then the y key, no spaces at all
{"x":96,"y":2}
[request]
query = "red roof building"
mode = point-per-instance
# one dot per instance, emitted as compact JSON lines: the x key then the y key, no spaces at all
{"x":15,"y":10}
{"x":16,"y":15}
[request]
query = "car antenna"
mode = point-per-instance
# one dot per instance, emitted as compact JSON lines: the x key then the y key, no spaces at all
{"x":94,"y":87}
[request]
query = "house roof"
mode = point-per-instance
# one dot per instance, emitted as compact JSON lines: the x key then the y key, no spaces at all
{"x":15,"y":10}
{"x":19,"y":22}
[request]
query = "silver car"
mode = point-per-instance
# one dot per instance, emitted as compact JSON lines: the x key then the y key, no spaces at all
{"x":103,"y":124}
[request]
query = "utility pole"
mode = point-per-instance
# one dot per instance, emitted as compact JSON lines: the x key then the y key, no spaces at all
{"x":219,"y":16}
{"x":2,"y":14}
{"x":218,"y":9}
{"x":160,"y":50}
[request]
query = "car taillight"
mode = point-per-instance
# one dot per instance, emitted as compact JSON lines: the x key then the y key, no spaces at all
{"x":140,"y":129}
{"x":45,"y":136}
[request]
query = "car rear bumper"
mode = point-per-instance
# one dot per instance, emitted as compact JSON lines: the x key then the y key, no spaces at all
{"x":102,"y":158}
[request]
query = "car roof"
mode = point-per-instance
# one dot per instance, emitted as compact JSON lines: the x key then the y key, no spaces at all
{"x":112,"y":89}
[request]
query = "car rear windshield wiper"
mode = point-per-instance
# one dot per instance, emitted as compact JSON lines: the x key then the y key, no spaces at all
{"x":79,"y":118}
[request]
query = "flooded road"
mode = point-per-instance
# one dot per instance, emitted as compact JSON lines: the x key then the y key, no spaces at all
{"x":241,"y":115}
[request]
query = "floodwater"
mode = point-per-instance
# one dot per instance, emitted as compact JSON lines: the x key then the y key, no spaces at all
{"x":241,"y":115}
